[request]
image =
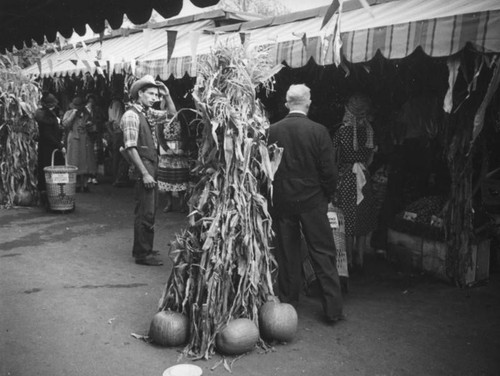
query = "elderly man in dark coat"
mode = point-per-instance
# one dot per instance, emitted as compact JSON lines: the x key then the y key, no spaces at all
{"x":303,"y":184}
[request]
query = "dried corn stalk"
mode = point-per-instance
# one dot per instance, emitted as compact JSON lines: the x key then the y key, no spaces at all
{"x":222,"y":262}
{"x":18,"y":133}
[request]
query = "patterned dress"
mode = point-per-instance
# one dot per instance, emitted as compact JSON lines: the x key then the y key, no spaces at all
{"x":173,"y":164}
{"x":360,"y":218}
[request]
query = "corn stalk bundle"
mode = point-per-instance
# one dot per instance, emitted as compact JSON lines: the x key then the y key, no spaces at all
{"x":222,"y":262}
{"x":18,"y":133}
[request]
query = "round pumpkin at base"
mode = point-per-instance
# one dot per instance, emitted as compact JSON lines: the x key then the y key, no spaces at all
{"x":237,"y":337}
{"x":169,"y":328}
{"x":278,"y":321}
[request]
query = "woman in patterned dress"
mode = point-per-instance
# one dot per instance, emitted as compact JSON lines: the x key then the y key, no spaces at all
{"x":354,"y":148}
{"x":173,"y":165}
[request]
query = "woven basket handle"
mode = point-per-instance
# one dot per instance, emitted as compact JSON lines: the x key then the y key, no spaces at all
{"x":64,"y":155}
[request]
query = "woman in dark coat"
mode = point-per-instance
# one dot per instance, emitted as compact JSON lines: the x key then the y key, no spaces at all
{"x":50,"y":136}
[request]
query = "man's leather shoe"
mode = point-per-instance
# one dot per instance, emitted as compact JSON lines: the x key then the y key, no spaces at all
{"x":336,"y":319}
{"x":149,"y":261}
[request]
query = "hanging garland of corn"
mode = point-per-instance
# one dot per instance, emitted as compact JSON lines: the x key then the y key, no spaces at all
{"x":458,"y":209}
{"x":222,"y":262}
{"x":18,"y":133}
{"x":458,"y":212}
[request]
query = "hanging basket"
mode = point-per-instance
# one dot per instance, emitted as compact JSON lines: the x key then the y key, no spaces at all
{"x":61,"y":184}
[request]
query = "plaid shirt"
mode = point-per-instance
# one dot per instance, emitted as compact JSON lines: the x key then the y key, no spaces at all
{"x":130,"y":126}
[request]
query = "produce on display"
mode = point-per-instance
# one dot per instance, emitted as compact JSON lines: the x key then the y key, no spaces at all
{"x":18,"y":133}
{"x":237,"y":337}
{"x":423,"y":218}
{"x":222,"y":262}
{"x":169,"y":328}
{"x":278,"y":321}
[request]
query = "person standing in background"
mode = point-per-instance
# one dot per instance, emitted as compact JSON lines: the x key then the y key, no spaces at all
{"x":354,"y":149}
{"x":303,"y":184}
{"x":173,"y":166}
{"x":120,"y":166}
{"x":77,"y":121}
{"x":50,"y":137}
{"x":96,"y":133}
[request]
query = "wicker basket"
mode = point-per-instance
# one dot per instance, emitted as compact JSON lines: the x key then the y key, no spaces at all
{"x":337,"y":223}
{"x":61,"y":183}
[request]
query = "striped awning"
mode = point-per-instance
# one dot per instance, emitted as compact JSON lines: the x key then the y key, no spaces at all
{"x":397,"y":28}
{"x":440,"y":28}
{"x":113,"y":53}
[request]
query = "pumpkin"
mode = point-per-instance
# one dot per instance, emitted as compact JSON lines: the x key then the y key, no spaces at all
{"x":169,"y":328}
{"x":237,"y":337}
{"x":278,"y":321}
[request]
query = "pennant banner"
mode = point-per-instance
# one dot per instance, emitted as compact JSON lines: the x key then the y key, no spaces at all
{"x":171,"y":39}
{"x":244,"y":37}
{"x":195,"y":38}
{"x":330,"y":12}
{"x":111,"y":63}
{"x":87,"y":65}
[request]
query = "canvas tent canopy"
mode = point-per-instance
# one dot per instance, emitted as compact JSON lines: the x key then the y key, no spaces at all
{"x":119,"y":50}
{"x":397,"y":28}
{"x":22,"y":21}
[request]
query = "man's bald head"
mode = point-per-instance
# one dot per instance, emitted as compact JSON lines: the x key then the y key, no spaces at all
{"x":298,"y":97}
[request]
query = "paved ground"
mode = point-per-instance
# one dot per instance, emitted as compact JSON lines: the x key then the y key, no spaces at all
{"x":71,"y":296}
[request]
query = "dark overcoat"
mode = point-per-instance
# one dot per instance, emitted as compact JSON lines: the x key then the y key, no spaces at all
{"x":306,"y":176}
{"x":50,"y":138}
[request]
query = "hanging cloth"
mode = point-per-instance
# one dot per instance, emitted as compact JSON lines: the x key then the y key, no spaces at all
{"x":359,"y":169}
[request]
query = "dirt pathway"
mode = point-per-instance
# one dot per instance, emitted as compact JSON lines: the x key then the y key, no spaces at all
{"x":71,"y":296}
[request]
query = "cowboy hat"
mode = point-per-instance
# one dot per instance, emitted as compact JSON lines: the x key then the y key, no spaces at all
{"x":144,"y":82}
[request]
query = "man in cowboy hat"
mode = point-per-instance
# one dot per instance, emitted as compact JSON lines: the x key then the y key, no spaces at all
{"x":141,"y":147}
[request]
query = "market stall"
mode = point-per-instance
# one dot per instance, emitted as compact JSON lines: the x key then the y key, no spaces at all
{"x":459,"y":39}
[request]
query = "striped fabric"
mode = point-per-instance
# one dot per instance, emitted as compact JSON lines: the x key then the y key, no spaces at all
{"x":177,"y":67}
{"x":439,"y":27}
{"x":437,"y":37}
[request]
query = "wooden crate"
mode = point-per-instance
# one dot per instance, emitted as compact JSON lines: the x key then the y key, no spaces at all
{"x":405,"y":249}
{"x":430,"y":256}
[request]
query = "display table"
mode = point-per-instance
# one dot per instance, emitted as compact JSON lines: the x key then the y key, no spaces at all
{"x":429,"y":256}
